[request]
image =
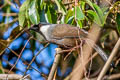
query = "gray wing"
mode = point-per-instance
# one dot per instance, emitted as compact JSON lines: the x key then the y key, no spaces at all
{"x":67,"y":31}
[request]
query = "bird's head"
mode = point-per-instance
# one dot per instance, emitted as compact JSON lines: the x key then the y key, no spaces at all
{"x":37,"y":27}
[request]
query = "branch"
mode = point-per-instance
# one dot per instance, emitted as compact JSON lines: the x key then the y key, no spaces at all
{"x":107,"y":65}
{"x":9,"y":14}
{"x":55,"y":64}
{"x":10,"y":3}
{"x":112,"y":77}
{"x":12,"y":77}
{"x":26,"y":63}
{"x":20,"y":54}
{"x":81,"y":63}
{"x":34,"y":59}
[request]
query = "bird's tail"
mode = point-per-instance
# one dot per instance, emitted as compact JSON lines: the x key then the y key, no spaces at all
{"x":99,"y":50}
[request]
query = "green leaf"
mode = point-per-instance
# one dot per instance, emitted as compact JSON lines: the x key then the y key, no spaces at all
{"x":118,"y":22}
{"x":41,"y":3}
{"x":93,"y":16}
{"x":51,"y":14}
{"x":33,"y":13}
{"x":61,"y":7}
{"x":90,"y":3}
{"x":22,"y":13}
{"x":99,"y":13}
{"x":80,"y":23}
{"x":82,"y":4}
{"x":68,"y":16}
{"x":79,"y":14}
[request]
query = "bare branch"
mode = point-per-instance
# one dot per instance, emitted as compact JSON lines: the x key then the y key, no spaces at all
{"x":34,"y":59}
{"x":55,"y":64}
{"x":9,"y":14}
{"x":107,"y":65}
{"x":112,"y":77}
{"x":12,"y":77}
{"x":81,"y":62}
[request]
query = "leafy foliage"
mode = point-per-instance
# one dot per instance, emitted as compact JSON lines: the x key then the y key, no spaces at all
{"x":23,"y":13}
{"x":32,"y":12}
{"x":82,"y":15}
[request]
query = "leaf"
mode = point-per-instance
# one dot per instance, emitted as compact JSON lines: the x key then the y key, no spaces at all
{"x":82,"y":4}
{"x":41,"y":3}
{"x":22,"y":13}
{"x":68,"y":16}
{"x":99,"y":13}
{"x":70,"y":20}
{"x":105,"y":13}
{"x":14,"y":33}
{"x":79,"y":14}
{"x":118,"y":22}
{"x":61,"y":7}
{"x":90,"y":3}
{"x":80,"y":23}
{"x":33,"y":13}
{"x":42,"y":16}
{"x":50,"y":13}
{"x":93,"y":16}
{"x":5,"y":43}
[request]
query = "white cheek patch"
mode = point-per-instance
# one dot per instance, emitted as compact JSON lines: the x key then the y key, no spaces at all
{"x":45,"y":30}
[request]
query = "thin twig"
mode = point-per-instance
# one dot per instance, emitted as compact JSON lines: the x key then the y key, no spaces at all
{"x":92,"y":57}
{"x":79,"y":66}
{"x":18,"y":2}
{"x":9,"y":40}
{"x":3,"y":6}
{"x":55,"y":64}
{"x":26,"y":63}
{"x":9,"y":14}
{"x":10,"y":3}
{"x":107,"y":65}
{"x":68,"y":3}
{"x":20,"y":54}
{"x":34,"y":59}
{"x":12,"y":77}
{"x":112,"y":77}
{"x":13,"y":21}
{"x":11,"y":65}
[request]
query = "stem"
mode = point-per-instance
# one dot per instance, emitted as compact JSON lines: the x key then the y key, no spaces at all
{"x":107,"y":65}
{"x":55,"y":64}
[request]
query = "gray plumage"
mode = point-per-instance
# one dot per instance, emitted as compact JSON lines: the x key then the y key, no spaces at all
{"x":62,"y":34}
{"x":65,"y":35}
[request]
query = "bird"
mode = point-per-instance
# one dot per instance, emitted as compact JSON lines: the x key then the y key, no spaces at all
{"x":64,"y":35}
{"x":61,"y":34}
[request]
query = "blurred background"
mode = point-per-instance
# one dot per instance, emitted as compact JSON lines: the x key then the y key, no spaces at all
{"x":19,"y":47}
